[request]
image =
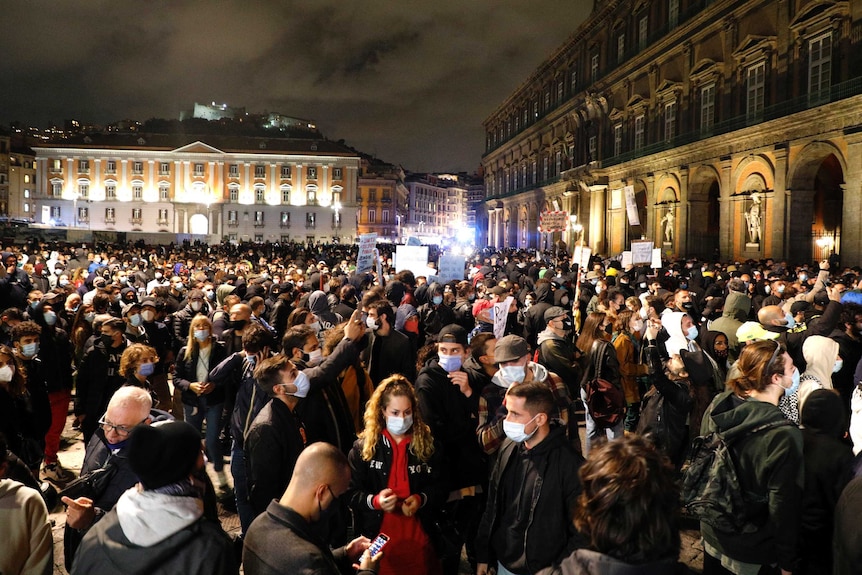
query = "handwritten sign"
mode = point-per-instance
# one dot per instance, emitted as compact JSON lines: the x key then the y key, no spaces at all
{"x":365,"y":258}
{"x":501,"y":314}
{"x":642,"y":252}
{"x":451,"y":268}
{"x":632,"y":206}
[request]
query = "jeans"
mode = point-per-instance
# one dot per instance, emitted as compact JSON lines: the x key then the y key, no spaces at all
{"x":240,"y":487}
{"x":196,"y":414}
{"x":594,"y":433}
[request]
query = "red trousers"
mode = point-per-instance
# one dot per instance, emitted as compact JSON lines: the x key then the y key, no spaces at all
{"x":59,"y":412}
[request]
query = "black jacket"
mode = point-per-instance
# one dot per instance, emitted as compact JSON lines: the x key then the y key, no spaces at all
{"x":550,"y":534}
{"x":185,"y":374}
{"x":453,"y":419}
{"x":433,"y":318}
{"x":534,"y":318}
{"x":368,"y":478}
{"x":388,"y":355}
{"x":98,"y":378}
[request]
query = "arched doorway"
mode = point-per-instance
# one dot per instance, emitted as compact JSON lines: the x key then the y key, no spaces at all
{"x":199,"y":225}
{"x":817,"y":203}
{"x":704,"y":213}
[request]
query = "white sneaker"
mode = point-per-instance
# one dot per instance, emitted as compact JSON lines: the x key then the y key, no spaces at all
{"x":57,"y":473}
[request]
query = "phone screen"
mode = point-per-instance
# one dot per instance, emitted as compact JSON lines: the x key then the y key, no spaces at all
{"x":379,"y":542}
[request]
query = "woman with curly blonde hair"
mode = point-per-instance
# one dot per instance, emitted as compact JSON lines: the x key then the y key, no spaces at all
{"x":395,"y":485}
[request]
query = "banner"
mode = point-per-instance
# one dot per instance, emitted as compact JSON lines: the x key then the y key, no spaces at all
{"x":641,"y":252}
{"x":632,"y":206}
{"x":656,"y":258}
{"x":553,"y":221}
{"x":501,"y":315}
{"x":626,"y":259}
{"x":451,"y":267}
{"x":365,"y":258}
{"x":413,"y":258}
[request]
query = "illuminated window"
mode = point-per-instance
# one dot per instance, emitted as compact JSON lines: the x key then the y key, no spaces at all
{"x":111,"y":167}
{"x":640,"y":123}
{"x":137,"y":168}
{"x":233,"y":194}
{"x":820,"y":64}
{"x":618,"y":139}
{"x":755,"y":88}
{"x":137,"y":192}
{"x":109,"y":215}
{"x":670,"y":120}
{"x":164,"y":192}
{"x":312,"y":173}
{"x":372,"y":216}
{"x":111,"y":191}
{"x":83,"y":190}
{"x":199,"y":170}
{"x":285,"y":172}
{"x":233,"y":171}
{"x":83,"y":166}
{"x":336,"y":173}
{"x":259,"y":171}
{"x":164,"y":168}
{"x":707,"y":106}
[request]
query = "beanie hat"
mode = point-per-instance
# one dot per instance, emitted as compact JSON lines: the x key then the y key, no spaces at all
{"x":163,"y":453}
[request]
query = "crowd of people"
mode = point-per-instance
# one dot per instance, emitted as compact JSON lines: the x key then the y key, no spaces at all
{"x":330,"y":406}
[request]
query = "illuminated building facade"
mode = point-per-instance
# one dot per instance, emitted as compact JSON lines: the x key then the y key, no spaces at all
{"x":734,"y":127}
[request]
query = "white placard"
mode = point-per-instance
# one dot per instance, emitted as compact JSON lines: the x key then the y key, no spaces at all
{"x":451,"y":268}
{"x":616,"y":199}
{"x":585,"y":257}
{"x":365,"y":258}
{"x":501,"y":315}
{"x":626,"y":259}
{"x":632,"y":206}
{"x":642,"y":252}
{"x":656,"y":258}
{"x":413,"y":258}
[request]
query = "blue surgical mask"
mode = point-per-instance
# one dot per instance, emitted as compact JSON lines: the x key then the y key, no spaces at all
{"x":794,"y":387}
{"x":437,"y":299}
{"x":791,"y":321}
{"x":30,"y":349}
{"x":692,"y":333}
{"x":50,"y":317}
{"x":202,"y":334}
{"x":515,"y":431}
{"x":303,"y":385}
{"x":135,"y":320}
{"x":449,"y":362}
{"x":838,"y":366}
{"x":399,"y":425}
{"x":147,"y":369}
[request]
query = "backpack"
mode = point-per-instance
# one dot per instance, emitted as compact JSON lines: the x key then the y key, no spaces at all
{"x":605,"y":402}
{"x":711,"y":490}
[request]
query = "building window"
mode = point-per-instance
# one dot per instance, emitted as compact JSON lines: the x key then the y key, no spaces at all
{"x":83,"y":214}
{"x":233,"y":171}
{"x":137,"y":191}
{"x":707,"y":106}
{"x":84,"y":191}
{"x":55,"y":212}
{"x":164,"y":168}
{"x":83,"y":166}
{"x":618,"y":139}
{"x":109,"y":215}
{"x":111,"y":167}
{"x":231,"y":217}
{"x":819,"y":64}
{"x":544,"y":169}
{"x":535,"y":172}
{"x":199,"y":170}
{"x":137,"y":216}
{"x":164,"y":192}
{"x":285,"y":172}
{"x":163,"y":217}
{"x":232,"y":238}
{"x":312,"y":173}
{"x":643,"y":30}
{"x":755,"y":88}
{"x":670,"y":120}
{"x":573,"y":81}
{"x":56,"y":189}
{"x":111,"y":191}
{"x":640,"y":124}
{"x":535,"y":108}
{"x":258,"y":238}
{"x":285,"y":238}
{"x":547,"y":100}
{"x":372,"y":216}
{"x":385,"y":216}
{"x":285,"y":195}
{"x":559,"y":91}
{"x":259,"y":171}
{"x":258,"y":195}
{"x":57,"y":166}
{"x":621,"y":47}
{"x":285,"y":219}
{"x":594,"y":67}
{"x":672,"y":13}
{"x":311,"y":196}
{"x":3,"y":207}
{"x":593,"y":146}
{"x":336,"y":173}
{"x":258,"y":218}
{"x":558,"y":162}
{"x":310,"y":220}
{"x":137,"y":168}
{"x":372,"y":194}
{"x":233,"y":194}
{"x":27,"y":194}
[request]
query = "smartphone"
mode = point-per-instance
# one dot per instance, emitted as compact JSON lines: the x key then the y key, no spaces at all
{"x":379,"y":542}
{"x":364,"y":317}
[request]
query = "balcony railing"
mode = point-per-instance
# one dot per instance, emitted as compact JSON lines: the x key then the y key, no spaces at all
{"x":285,"y":225}
{"x":232,"y":223}
{"x":259,"y":224}
{"x":136,"y":221}
{"x":162,"y":222}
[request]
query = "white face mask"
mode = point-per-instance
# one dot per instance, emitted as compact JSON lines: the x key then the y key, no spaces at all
{"x":314,"y":357}
{"x":148,"y":315}
{"x":371,"y":323}
{"x":513,"y":374}
{"x":399,"y":425}
{"x":303,"y":385}
{"x":515,"y":431}
{"x":6,"y":373}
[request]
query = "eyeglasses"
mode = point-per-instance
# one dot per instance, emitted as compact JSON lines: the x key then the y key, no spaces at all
{"x":120,"y":430}
{"x":778,"y":351}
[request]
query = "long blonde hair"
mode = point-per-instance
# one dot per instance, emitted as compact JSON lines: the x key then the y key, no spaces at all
{"x":421,"y":445}
{"x":193,"y":344}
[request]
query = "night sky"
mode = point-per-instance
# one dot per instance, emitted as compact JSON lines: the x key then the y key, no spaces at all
{"x":408,"y":81}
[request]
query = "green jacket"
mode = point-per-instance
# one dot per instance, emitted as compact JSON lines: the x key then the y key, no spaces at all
{"x":769,"y":465}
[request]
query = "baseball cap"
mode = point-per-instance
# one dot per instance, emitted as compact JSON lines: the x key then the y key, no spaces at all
{"x":453,"y":333}
{"x":511,"y":348}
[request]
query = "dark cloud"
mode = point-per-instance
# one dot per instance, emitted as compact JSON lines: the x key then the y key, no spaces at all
{"x":410,"y":81}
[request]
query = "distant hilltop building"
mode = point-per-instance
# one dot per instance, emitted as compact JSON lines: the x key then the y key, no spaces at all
{"x":267,"y":120}
{"x":212,"y":111}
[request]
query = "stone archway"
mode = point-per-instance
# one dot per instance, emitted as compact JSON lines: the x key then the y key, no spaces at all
{"x":704,"y":222}
{"x":817,"y":203}
{"x":199,"y":225}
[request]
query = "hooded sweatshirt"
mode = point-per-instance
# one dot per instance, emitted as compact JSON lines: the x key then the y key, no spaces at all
{"x":28,"y":545}
{"x":736,"y":309}
{"x":672,"y":322}
{"x":820,"y":354}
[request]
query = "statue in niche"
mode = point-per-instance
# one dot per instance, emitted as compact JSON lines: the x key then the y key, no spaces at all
{"x":668,"y":222}
{"x":754,"y":220}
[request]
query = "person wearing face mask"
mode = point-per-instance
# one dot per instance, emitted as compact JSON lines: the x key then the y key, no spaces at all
{"x":158,"y":280}
{"x":127,"y":408}
{"x":134,"y":331}
{"x":465,"y":295}
{"x":598,"y":356}
{"x":326,"y":318}
{"x":158,"y":336}
{"x":737,"y":306}
{"x":325,"y":410}
{"x":203,"y":400}
{"x":99,"y":374}
{"x":286,"y":538}
{"x":177,"y":535}
{"x":449,"y":401}
{"x":556,"y":350}
{"x":396,"y":484}
{"x":389,"y":351}
{"x":512,"y":356}
{"x":25,"y":338}
{"x":626,"y":340}
{"x":434,"y":314}
{"x":822,"y":359}
{"x":534,"y":318}
{"x":277,"y":434}
{"x":769,"y":462}
{"x":180,"y":321}
{"x":535,"y":477}
{"x":56,"y":355}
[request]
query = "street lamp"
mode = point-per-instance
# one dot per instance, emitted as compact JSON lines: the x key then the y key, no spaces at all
{"x":575,"y":229}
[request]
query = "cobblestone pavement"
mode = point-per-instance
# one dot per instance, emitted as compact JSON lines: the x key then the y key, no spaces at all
{"x":72,"y":457}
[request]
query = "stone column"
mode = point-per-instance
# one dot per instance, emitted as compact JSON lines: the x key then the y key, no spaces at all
{"x":598,"y":201}
{"x":851,"y":227}
{"x":726,"y":206}
{"x":776,"y":208}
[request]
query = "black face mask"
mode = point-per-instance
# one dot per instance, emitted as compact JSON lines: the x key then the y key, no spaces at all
{"x":609,"y":329}
{"x":567,"y":325}
{"x":238,"y":323}
{"x":687,"y":305}
{"x":107,"y":340}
